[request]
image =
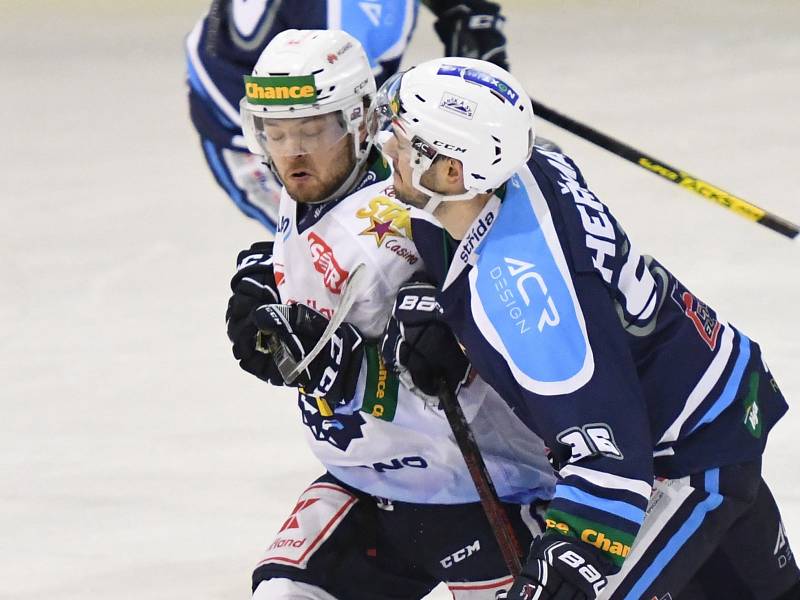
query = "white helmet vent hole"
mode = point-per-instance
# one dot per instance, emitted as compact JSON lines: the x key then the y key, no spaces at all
{"x":420,"y":98}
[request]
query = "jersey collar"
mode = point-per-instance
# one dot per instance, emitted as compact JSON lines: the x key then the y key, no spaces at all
{"x":468,"y":249}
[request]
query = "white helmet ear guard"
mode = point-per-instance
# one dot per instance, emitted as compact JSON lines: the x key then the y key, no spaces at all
{"x":466,"y":109}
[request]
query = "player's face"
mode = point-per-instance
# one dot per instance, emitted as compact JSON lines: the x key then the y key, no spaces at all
{"x":398,"y":149}
{"x":313,"y":155}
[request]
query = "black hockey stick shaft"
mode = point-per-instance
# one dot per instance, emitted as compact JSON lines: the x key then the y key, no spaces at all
{"x":670,"y":173}
{"x":495,"y":513}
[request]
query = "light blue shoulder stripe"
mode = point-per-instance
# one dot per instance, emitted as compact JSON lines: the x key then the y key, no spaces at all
{"x":523,"y":298}
{"x":731,"y":387}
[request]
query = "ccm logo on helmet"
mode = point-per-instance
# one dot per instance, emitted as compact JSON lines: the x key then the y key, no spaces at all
{"x":447,"y":146}
{"x":280,"y":90}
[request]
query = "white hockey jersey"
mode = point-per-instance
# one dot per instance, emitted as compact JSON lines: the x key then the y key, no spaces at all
{"x":387,"y":442}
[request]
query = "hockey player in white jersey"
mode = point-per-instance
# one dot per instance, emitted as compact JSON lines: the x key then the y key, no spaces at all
{"x":396,"y":513}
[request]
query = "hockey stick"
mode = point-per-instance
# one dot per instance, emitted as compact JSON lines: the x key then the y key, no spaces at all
{"x":288,"y":367}
{"x":496,"y":515}
{"x":670,"y":173}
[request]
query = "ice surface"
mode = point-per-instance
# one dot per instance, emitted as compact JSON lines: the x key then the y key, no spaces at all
{"x":136,"y":460}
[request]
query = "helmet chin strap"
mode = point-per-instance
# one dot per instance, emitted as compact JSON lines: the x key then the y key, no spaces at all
{"x":436,"y":198}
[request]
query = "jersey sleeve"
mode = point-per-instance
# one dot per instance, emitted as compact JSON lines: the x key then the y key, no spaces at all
{"x":547,"y":336}
{"x":607,"y":446}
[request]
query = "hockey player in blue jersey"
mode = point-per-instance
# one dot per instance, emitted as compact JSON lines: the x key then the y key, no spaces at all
{"x":225,"y":44}
{"x":655,"y":409}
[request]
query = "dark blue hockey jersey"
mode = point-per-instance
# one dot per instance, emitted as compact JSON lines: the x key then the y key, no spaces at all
{"x":622,"y":371}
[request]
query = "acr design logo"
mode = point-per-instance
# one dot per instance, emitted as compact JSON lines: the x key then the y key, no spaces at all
{"x":333,"y":276}
{"x":521,"y":272}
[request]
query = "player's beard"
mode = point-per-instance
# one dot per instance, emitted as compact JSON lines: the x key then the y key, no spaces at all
{"x":321,"y":186}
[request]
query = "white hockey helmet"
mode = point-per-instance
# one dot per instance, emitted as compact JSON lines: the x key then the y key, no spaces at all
{"x":463,"y":108}
{"x":308,"y":73}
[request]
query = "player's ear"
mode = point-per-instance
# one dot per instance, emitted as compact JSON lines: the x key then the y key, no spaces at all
{"x":454,"y":172}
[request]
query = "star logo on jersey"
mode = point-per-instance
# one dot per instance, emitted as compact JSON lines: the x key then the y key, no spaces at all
{"x":387,"y":218}
{"x":381,"y":230}
{"x":292,"y":522}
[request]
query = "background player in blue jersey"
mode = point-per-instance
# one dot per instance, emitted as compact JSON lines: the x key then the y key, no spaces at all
{"x":225,"y":44}
{"x":656,"y":410}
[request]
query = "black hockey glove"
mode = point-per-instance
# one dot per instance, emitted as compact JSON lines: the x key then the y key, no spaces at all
{"x":252,"y":286}
{"x":419,"y":345}
{"x":472,"y":29}
{"x":559,"y":568}
{"x":333,"y":373}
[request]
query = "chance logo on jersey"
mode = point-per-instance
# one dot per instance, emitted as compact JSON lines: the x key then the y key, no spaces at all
{"x":333,"y":276}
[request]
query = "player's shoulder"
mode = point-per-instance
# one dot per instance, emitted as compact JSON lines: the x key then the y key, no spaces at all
{"x":378,"y":227}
